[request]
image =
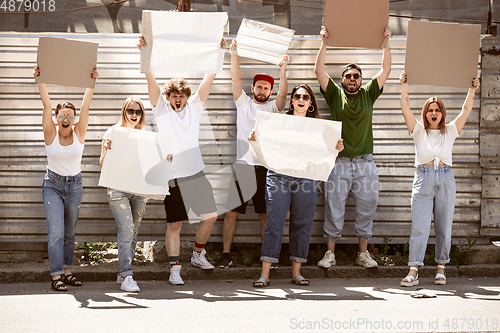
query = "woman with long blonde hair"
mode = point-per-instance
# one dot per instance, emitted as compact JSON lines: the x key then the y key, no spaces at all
{"x":127,"y":208}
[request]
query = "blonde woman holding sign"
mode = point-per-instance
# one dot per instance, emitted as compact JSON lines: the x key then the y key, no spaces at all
{"x":127,"y":208}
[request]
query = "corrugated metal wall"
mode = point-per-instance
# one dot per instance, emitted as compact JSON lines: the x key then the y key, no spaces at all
{"x":23,"y":161}
{"x":490,"y":136}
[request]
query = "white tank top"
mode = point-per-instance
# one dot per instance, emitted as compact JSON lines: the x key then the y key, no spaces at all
{"x":65,"y":160}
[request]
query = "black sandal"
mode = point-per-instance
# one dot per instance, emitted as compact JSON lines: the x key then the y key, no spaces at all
{"x":58,"y":285}
{"x":71,"y":280}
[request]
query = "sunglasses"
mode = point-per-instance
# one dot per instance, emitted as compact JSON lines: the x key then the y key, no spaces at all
{"x":132,"y":111}
{"x":305,"y":98}
{"x":61,"y":117}
{"x":355,"y":76}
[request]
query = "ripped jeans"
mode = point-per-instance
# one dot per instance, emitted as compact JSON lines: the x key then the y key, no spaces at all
{"x":62,"y":196}
{"x":127,"y":210}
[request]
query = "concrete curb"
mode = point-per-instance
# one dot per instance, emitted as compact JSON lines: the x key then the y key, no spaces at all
{"x":39,"y":272}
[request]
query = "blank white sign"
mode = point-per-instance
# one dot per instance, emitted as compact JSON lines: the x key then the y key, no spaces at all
{"x":263,"y":41}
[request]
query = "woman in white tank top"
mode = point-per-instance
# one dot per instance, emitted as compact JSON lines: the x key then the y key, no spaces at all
{"x":434,"y":187}
{"x":62,"y":185}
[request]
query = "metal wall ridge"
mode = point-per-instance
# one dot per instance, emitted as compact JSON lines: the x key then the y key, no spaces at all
{"x":22,"y":155}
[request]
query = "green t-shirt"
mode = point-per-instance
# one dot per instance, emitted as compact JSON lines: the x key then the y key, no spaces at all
{"x":355,"y":112}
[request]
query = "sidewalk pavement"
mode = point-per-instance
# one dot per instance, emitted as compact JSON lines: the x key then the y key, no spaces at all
{"x":39,"y":272}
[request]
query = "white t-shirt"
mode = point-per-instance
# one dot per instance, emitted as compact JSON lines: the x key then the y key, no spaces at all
{"x":65,"y":160}
{"x":184,"y":130}
{"x":434,"y":146}
{"x":246,"y":110}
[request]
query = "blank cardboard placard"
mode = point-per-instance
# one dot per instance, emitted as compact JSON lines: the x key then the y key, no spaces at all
{"x":182,"y":42}
{"x":136,"y":162}
{"x":263,"y":41}
{"x":66,"y":62}
{"x":296,"y":146}
{"x":442,"y":54}
{"x":356,"y":23}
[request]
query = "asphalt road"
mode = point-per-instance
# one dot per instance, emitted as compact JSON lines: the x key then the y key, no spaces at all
{"x":328,"y":305}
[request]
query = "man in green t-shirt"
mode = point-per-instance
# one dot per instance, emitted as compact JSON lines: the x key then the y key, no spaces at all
{"x":354,"y":170}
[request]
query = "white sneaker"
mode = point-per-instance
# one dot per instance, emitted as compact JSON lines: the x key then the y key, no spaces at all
{"x":119,"y":279}
{"x":129,"y":284}
{"x":328,"y":260}
{"x":175,"y":275}
{"x":199,"y":260}
{"x":365,"y":260}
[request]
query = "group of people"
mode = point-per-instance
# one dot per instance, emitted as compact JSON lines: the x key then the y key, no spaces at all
{"x":177,"y":112}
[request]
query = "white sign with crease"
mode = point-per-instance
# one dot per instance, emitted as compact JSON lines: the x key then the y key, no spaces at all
{"x":136,"y":162}
{"x":296,"y":146}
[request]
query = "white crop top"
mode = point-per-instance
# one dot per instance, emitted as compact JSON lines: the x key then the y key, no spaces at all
{"x":65,"y":160}
{"x":434,"y":146}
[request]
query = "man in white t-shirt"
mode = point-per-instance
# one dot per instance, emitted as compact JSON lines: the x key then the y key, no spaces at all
{"x":249,"y":176}
{"x":178,"y":113}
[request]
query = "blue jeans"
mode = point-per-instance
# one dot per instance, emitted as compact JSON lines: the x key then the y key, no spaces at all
{"x":298,"y":195}
{"x":127,"y":210}
{"x":434,"y":191}
{"x":62,"y":196}
{"x":359,"y":175}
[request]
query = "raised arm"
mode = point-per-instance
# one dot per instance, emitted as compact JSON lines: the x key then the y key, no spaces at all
{"x":410,"y":119}
{"x":281,"y":97}
{"x":49,"y":128}
{"x":384,"y":72}
{"x":153,"y":86}
{"x":206,"y":84}
{"x":319,"y":65}
{"x":467,"y":107}
{"x":83,"y":120}
{"x":235,"y":71}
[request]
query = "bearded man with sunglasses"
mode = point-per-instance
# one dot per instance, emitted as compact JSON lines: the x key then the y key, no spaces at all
{"x":354,"y":170}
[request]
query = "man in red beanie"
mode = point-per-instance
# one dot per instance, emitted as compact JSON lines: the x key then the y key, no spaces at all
{"x":249,"y":177}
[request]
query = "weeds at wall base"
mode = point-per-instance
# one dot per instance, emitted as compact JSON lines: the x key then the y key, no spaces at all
{"x":248,"y":255}
{"x":398,"y":254}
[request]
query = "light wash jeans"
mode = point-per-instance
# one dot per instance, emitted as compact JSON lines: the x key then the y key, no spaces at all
{"x":434,"y":191}
{"x":62,"y":196}
{"x":298,"y":195}
{"x":359,"y":175}
{"x":127,"y":210}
